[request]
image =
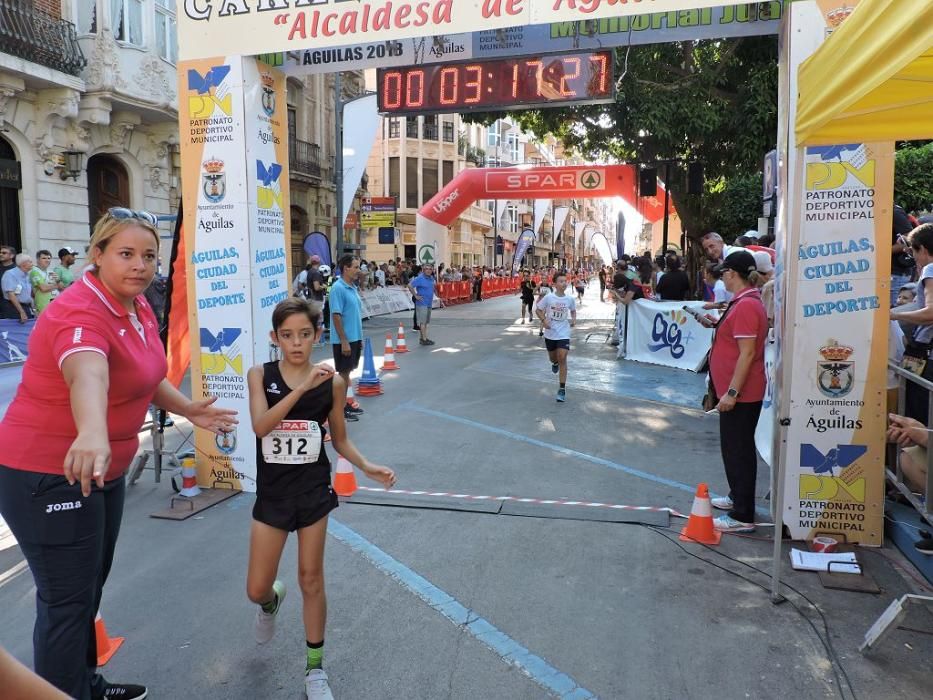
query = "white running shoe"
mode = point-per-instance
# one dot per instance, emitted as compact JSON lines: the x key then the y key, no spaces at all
{"x":265,"y":622}
{"x":316,"y":686}
{"x":721,"y":503}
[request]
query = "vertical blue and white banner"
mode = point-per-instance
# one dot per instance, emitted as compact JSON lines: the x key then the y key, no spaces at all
{"x":525,"y":240}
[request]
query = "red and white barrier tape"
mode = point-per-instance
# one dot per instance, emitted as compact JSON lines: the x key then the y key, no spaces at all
{"x":538,"y":501}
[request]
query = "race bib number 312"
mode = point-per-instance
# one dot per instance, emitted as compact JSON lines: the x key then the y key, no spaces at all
{"x":292,"y":442}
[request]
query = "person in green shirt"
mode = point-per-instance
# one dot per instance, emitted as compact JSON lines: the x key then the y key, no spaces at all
{"x":65,"y":276}
{"x":44,"y":281}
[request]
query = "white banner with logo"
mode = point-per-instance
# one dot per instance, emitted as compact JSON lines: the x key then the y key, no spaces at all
{"x":662,"y":333}
{"x":218,"y":27}
{"x":234,"y":162}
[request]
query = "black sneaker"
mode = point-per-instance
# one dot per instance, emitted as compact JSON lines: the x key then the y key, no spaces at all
{"x":350,"y":416}
{"x":428,"y":341}
{"x":354,"y":409}
{"x":125,"y":691}
{"x":924,"y":546}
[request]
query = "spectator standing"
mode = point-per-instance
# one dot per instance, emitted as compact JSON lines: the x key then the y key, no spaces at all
{"x":602,"y":282}
{"x":902,"y":262}
{"x":422,"y":289}
{"x":346,"y":326}
{"x":44,"y":281}
{"x":7,"y":259}
{"x":907,"y":301}
{"x":95,"y":363}
{"x":17,"y":290}
{"x":737,"y":372}
{"x":674,"y":285}
{"x":715,"y":248}
{"x":765,"y":269}
{"x":66,"y":259}
{"x":917,"y":352}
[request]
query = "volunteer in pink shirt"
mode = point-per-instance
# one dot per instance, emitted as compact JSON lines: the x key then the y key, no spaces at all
{"x":95,"y":363}
{"x":737,"y":370}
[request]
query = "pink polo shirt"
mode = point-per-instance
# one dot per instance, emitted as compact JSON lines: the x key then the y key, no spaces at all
{"x":38,"y":427}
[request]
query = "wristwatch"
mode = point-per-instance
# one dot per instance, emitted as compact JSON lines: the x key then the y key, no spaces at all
{"x":732,"y":392}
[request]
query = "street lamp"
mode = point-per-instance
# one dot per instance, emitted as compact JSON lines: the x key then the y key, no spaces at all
{"x":73,"y":165}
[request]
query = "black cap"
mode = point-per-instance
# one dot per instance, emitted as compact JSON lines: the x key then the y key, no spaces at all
{"x":740,"y":261}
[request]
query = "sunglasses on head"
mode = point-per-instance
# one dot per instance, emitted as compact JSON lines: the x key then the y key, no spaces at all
{"x":122,"y":213}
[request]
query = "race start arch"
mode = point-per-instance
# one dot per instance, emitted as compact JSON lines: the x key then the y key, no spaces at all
{"x":545,"y":182}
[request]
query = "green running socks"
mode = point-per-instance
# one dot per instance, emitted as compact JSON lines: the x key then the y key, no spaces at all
{"x":315,"y":655}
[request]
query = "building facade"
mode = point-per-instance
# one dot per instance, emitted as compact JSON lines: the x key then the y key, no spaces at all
{"x":412,"y":159}
{"x":88,"y":115}
{"x":89,"y":120}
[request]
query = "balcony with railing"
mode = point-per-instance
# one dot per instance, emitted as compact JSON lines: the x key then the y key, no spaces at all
{"x":37,"y":36}
{"x":430,"y":131}
{"x":304,"y":158}
{"x":411,"y":127}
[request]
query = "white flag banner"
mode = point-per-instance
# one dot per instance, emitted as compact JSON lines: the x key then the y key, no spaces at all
{"x":662,"y":333}
{"x":560,"y":216}
{"x":361,"y":123}
{"x":541,"y":207}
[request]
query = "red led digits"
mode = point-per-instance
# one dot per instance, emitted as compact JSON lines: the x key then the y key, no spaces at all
{"x":581,"y":77}
{"x":450,"y":88}
{"x":476,"y":84}
{"x":602,"y":71}
{"x":539,"y":75}
{"x":573,"y":64}
{"x":392,"y":90}
{"x":414,"y":89}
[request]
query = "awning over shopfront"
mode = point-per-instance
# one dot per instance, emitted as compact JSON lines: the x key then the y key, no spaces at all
{"x":872,"y":80}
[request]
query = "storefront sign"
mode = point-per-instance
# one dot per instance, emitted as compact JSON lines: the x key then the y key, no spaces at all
{"x":222,"y":27}
{"x":11,"y":174}
{"x":378,"y":212}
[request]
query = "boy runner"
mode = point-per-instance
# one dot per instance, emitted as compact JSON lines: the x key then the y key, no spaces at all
{"x":558,"y":313}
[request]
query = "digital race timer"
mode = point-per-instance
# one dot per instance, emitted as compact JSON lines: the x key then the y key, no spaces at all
{"x":527,"y":81}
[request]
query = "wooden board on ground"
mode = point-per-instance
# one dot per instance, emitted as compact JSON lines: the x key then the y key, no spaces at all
{"x":182,"y":507}
{"x":860,"y":583}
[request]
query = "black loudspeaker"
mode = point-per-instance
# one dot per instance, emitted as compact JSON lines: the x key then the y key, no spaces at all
{"x":648,"y":182}
{"x":695,"y":178}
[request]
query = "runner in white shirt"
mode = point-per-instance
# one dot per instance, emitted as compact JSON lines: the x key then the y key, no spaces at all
{"x":558,"y":313}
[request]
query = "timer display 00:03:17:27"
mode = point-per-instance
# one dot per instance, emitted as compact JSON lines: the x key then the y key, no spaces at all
{"x":513,"y":82}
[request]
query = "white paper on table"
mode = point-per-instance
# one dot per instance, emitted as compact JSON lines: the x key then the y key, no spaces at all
{"x":842,"y":562}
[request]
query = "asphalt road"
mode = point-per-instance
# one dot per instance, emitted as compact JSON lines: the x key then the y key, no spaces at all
{"x":432,"y":603}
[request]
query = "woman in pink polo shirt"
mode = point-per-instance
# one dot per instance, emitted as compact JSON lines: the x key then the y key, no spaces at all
{"x":737,"y":369}
{"x":95,"y":364}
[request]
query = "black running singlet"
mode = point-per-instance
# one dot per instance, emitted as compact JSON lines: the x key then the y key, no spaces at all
{"x":291,"y":459}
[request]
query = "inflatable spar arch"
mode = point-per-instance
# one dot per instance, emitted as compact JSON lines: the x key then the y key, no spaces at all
{"x":571,"y":182}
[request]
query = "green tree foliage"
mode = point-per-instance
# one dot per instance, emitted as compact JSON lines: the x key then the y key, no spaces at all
{"x":913,"y":177}
{"x":709,"y":101}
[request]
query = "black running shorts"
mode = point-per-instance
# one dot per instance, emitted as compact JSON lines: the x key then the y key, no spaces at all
{"x":347,"y":363}
{"x":552,"y":345}
{"x":295,"y":512}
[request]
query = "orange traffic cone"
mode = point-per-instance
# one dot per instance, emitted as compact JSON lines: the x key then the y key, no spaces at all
{"x":700,"y":524}
{"x":401,"y":346}
{"x":106,"y":646}
{"x":344,"y":478}
{"x":388,"y":358}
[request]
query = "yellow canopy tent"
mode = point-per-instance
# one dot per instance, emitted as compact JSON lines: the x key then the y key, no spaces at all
{"x":872,"y":80}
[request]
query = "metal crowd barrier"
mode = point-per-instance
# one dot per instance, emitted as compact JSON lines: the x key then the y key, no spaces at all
{"x":896,"y":477}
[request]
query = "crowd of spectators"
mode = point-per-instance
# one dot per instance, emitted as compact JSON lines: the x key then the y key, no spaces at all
{"x":29,"y":285}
